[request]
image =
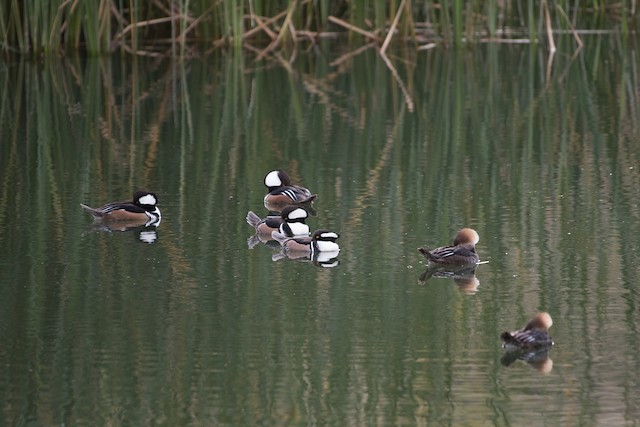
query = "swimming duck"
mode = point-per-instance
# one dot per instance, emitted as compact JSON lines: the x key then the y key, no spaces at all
{"x":462,"y":252}
{"x":282,"y":192}
{"x":142,"y":208}
{"x":534,"y":335}
{"x":290,"y":222}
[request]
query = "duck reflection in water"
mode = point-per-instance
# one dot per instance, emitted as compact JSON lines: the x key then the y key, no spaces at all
{"x":464,"y":276}
{"x":328,"y":259}
{"x":537,"y":359}
{"x":145,"y":233}
{"x":320,"y":247}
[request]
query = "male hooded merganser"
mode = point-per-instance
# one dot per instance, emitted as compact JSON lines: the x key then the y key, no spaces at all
{"x":462,"y":252}
{"x":319,"y":241}
{"x":143,"y":207}
{"x":290,"y":222}
{"x":534,"y":335}
{"x":282,"y":192}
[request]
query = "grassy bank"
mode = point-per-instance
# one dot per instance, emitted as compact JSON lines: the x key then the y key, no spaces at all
{"x":174,"y":27}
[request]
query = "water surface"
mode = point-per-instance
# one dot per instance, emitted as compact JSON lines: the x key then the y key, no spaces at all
{"x":197,"y":328}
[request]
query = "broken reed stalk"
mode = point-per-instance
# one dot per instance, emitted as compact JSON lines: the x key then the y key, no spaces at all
{"x":547,"y":19}
{"x":407,"y":96}
{"x":353,"y":28}
{"x":392,"y":30}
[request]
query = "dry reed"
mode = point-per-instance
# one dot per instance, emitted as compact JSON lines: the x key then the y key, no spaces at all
{"x":176,"y":28}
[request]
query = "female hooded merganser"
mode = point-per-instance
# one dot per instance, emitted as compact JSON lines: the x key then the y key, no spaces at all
{"x":462,"y":252}
{"x":290,"y":222}
{"x":534,"y":335}
{"x":282,"y":192}
{"x":143,"y":207}
{"x":319,"y":241}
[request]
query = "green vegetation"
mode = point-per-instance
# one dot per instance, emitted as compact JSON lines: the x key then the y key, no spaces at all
{"x":175,"y":27}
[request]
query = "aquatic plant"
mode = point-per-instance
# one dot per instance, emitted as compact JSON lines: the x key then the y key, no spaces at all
{"x":179,"y":27}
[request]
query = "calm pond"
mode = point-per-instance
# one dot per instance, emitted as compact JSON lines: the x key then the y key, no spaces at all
{"x":195,"y":323}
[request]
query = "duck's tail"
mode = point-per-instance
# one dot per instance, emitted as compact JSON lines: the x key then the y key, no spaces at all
{"x":279,"y":237}
{"x":253,"y":219}
{"x":310,"y":199}
{"x":95,"y":213}
{"x":507,"y":338}
{"x":426,"y":253}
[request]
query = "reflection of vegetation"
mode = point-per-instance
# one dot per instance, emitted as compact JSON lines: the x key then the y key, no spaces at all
{"x":496,"y":138}
{"x":168,"y":27}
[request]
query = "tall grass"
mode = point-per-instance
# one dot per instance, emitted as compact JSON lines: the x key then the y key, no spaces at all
{"x":155,"y":28}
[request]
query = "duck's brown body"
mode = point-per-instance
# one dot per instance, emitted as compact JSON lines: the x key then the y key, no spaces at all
{"x":462,"y":252}
{"x":283,"y":193}
{"x":142,"y":208}
{"x":534,"y":335}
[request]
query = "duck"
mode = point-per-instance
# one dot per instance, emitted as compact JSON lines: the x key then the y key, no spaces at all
{"x":282,"y":192}
{"x":320,"y":241}
{"x":462,"y":252}
{"x":290,"y":222}
{"x":142,"y":208}
{"x":535,"y":334}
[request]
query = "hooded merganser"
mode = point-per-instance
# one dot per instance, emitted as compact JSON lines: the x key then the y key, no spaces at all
{"x":319,"y":241}
{"x":290,"y":222}
{"x":534,"y":335}
{"x":462,"y":252}
{"x":282,"y":192}
{"x":143,"y":207}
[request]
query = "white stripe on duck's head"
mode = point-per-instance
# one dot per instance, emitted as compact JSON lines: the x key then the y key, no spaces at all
{"x":293,"y":213}
{"x":325,"y":235}
{"x":145,"y":199}
{"x":277,"y":178}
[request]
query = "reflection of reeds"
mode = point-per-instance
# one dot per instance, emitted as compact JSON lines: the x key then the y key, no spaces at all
{"x":481,"y":147}
{"x":164,"y":27}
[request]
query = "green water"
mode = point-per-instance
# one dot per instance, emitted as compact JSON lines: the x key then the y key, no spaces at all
{"x":98,"y":327}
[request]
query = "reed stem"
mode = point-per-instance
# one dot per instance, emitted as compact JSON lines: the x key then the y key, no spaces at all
{"x":97,"y":27}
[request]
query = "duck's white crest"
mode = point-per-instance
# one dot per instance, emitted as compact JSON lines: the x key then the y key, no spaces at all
{"x":272,"y":179}
{"x":329,"y":235}
{"x":298,"y":214}
{"x":147,"y":199}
